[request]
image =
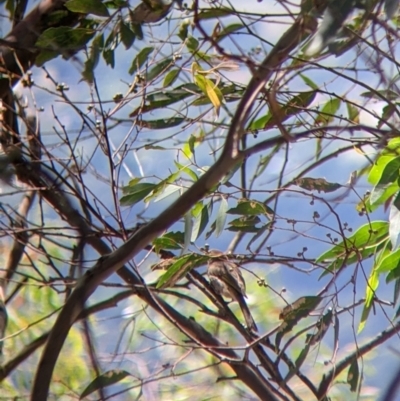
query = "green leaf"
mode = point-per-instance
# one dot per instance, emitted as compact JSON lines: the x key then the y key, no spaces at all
{"x":322,"y":327}
{"x":379,"y":166}
{"x":104,"y":380}
{"x":228,"y":30}
{"x":390,"y":172}
{"x":127,"y":36}
{"x":171,"y":240}
{"x":293,"y":313}
{"x":328,"y":112}
{"x":372,"y":285}
{"x":309,"y":82}
{"x":159,"y":68}
{"x":162,"y":123}
{"x":140,"y":59}
{"x":221,"y":217}
{"x":171,"y":77}
{"x":245,"y":224}
{"x":367,"y":236}
{"x":294,"y":106}
{"x":215,"y":13}
{"x":250,"y":208}
{"x":364,"y":243}
{"x":200,"y":223}
{"x":353,"y":113}
{"x":316,"y":184}
{"x":210,"y":89}
{"x":93,"y":60}
{"x":192,"y":44}
{"x":390,"y":262}
{"x":165,"y":98}
{"x":179,"y":269}
{"x":353,"y":376}
{"x":394,"y":219}
{"x":187,"y":171}
{"x":64,"y":38}
{"x":135,"y":193}
{"x":95,"y":7}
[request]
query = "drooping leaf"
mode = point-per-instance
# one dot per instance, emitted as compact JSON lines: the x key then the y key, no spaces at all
{"x":322,"y":327}
{"x":221,"y":217}
{"x":201,"y":218}
{"x":394,"y":219}
{"x":93,"y":59}
{"x":106,"y":379}
{"x":127,"y":35}
{"x":372,"y":285}
{"x":353,"y":376}
{"x":212,"y":91}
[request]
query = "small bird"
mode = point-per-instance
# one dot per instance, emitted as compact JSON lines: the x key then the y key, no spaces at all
{"x":227,"y":280}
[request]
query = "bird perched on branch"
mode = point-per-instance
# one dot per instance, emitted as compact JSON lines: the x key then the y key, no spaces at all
{"x":227,"y":280}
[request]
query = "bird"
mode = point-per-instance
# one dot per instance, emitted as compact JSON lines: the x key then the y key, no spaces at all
{"x":227,"y":280}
